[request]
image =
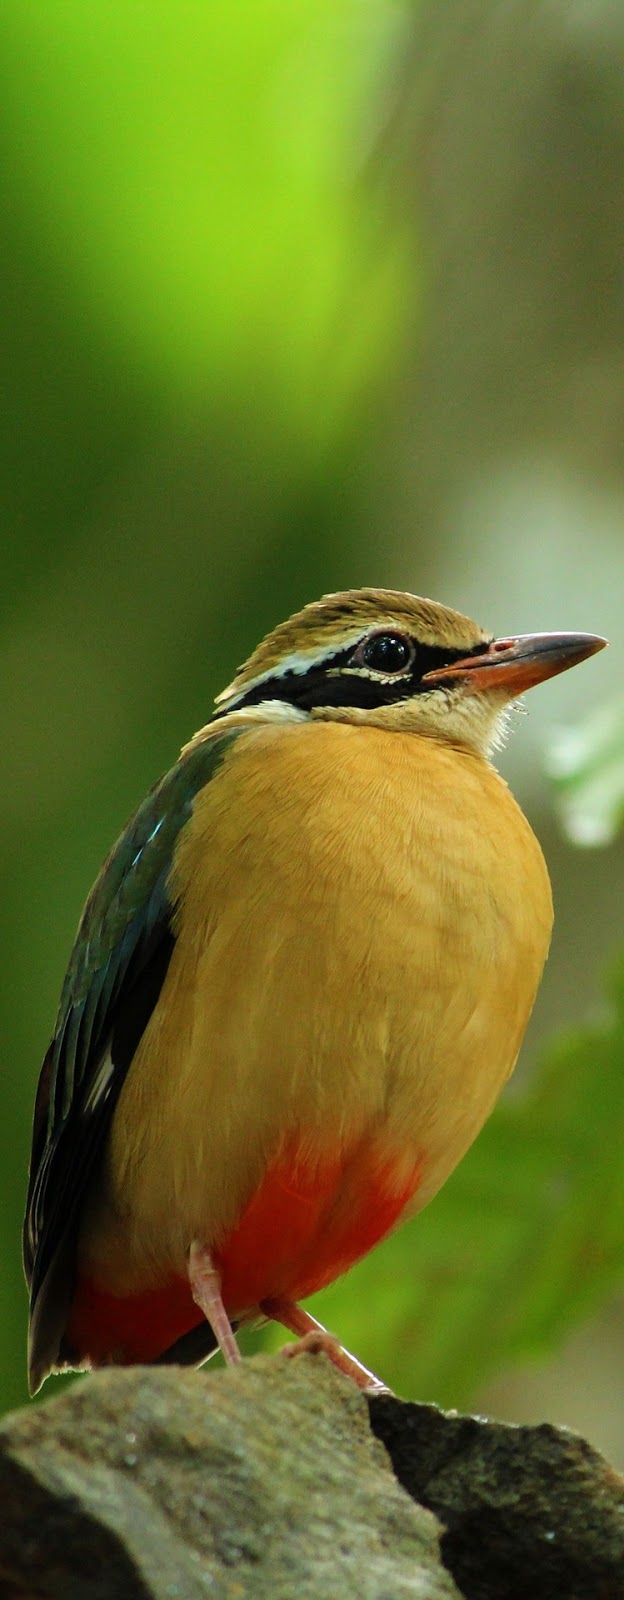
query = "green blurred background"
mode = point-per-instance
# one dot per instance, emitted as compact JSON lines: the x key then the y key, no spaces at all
{"x":299,"y":297}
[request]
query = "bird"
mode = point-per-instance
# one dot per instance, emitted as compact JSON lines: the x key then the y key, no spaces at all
{"x":298,"y":986}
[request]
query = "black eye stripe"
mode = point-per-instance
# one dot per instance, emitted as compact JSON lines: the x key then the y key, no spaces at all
{"x":344,"y":678}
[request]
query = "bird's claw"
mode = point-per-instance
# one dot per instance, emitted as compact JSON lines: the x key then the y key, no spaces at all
{"x":318,"y":1342}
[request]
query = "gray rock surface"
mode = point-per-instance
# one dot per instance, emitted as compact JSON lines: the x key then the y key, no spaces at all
{"x":265,"y":1481}
{"x":279,"y":1481}
{"x":529,"y":1513}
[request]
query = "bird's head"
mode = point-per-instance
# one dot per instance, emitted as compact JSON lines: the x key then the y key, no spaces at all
{"x":399,"y":662}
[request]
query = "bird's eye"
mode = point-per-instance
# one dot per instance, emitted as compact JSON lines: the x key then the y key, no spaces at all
{"x":386,"y":652}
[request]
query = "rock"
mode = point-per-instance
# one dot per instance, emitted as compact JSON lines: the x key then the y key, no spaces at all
{"x":278,"y":1479}
{"x":263,"y":1481}
{"x":528,"y":1512}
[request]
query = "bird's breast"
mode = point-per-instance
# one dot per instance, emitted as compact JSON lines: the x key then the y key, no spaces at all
{"x":362,"y":923}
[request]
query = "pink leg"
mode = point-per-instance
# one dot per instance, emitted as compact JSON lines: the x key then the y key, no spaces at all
{"x":206,"y":1291}
{"x":314,"y":1339}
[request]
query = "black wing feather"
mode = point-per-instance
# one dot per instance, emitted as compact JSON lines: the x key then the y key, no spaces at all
{"x":116,"y":971}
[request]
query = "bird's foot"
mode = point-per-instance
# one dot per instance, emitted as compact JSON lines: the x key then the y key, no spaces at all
{"x":315,"y":1340}
{"x":205,"y":1285}
{"x":323,"y":1343}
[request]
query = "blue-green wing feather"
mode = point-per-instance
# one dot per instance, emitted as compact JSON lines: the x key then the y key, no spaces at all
{"x":116,"y":970}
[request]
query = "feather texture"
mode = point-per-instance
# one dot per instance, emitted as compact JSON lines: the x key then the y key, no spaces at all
{"x":122,"y":951}
{"x":362,"y":920}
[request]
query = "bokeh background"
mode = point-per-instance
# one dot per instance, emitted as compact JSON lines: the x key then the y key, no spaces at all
{"x":298,"y":298}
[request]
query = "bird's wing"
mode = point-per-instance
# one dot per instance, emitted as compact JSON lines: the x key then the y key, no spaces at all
{"x":115,"y":974}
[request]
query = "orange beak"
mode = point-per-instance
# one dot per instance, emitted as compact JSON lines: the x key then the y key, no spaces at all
{"x":513,"y":665}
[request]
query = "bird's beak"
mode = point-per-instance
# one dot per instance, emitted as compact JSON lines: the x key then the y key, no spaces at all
{"x":513,"y":665}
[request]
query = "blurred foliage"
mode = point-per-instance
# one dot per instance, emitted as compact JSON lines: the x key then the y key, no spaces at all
{"x":211,"y":298}
{"x":586,"y":764}
{"x":197,"y":185}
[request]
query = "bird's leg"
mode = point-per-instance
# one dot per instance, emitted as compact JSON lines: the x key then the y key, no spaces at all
{"x":205,"y":1285}
{"x":315,"y":1339}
